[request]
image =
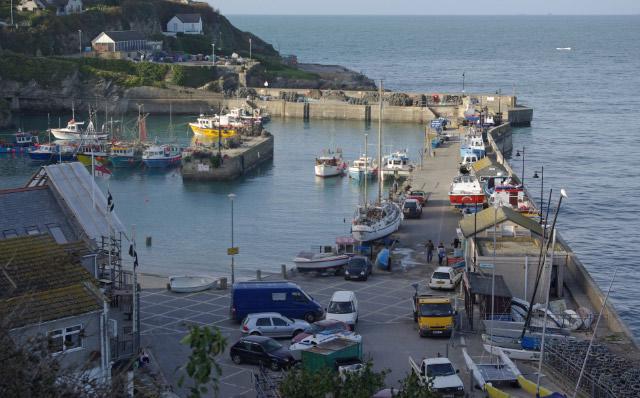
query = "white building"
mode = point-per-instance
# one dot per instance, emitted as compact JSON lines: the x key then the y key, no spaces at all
{"x":190,"y":24}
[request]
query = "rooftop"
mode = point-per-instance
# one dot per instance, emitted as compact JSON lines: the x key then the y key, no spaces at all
{"x":188,"y":18}
{"x":486,"y":218}
{"x":514,"y":247}
{"x":125,"y":35}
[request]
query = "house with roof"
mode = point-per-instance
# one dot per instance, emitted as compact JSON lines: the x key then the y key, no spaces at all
{"x":188,"y":24}
{"x":45,"y":292}
{"x":123,"y":44}
{"x":517,"y":250}
{"x":31,"y":5}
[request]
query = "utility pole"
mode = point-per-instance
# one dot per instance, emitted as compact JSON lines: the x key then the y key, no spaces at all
{"x":462,"y":82}
{"x":250,"y":45}
{"x":11,"y":12}
{"x":80,"y":40}
{"x":213,"y":54}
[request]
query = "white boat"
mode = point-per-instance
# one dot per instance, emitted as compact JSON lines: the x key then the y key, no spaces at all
{"x":396,"y":166}
{"x":466,"y":190}
{"x":74,"y":131}
{"x":563,"y":48}
{"x":330,"y":164}
{"x":190,"y":284}
{"x":361,"y":167}
{"x":162,"y":156}
{"x":373,"y":222}
{"x":326,"y":258}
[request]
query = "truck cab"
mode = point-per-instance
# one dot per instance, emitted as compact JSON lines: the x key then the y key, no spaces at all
{"x":439,"y":375}
{"x":435,"y":315}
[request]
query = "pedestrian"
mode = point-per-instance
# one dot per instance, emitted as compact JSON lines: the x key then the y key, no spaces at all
{"x":441,"y":253}
{"x":456,"y":243}
{"x":430,"y":248}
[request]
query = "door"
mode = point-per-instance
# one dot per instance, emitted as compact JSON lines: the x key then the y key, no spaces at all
{"x":258,"y":355}
{"x":264,"y":326}
{"x":300,"y":303}
{"x":243,"y":349}
{"x":281,"y":327}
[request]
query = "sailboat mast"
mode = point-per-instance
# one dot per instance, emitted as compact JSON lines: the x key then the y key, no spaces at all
{"x":380,"y":144}
{"x":366,"y":161}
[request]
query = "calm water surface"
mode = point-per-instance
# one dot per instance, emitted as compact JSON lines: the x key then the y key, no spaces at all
{"x":585,"y":129}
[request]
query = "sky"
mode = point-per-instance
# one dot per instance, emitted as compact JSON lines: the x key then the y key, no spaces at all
{"x":426,"y":7}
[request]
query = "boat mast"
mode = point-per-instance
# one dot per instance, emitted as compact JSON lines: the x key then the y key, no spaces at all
{"x":380,"y":144}
{"x":366,"y":160}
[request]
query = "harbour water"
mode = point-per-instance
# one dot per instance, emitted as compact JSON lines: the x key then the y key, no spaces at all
{"x":585,"y":103}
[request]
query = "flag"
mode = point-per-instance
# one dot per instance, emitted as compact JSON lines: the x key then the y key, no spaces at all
{"x":133,"y":253}
{"x":109,"y":201}
{"x":102,"y":168}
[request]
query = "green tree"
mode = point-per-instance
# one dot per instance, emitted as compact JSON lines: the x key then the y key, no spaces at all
{"x":206,"y":344}
{"x":412,"y":387}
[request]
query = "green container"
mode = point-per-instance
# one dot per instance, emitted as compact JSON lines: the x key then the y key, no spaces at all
{"x":325,"y":355}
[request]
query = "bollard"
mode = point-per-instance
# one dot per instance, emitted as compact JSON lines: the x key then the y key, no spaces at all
{"x":222,"y":283}
{"x":258,"y":275}
{"x":284,"y":271}
{"x":148,"y":241}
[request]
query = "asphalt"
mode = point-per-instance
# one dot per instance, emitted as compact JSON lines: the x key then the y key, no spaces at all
{"x":385,"y":321}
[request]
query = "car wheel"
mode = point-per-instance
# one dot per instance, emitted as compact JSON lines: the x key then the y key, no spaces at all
{"x":309,"y":317}
{"x":296,"y":332}
{"x":346,"y":278}
{"x":274,"y":366}
{"x":365,"y":278}
{"x":255,"y":333}
{"x":236,"y":359}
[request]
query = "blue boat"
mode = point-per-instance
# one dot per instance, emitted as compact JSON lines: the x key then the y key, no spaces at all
{"x":53,"y":153}
{"x":162,"y":156}
{"x":22,"y":143}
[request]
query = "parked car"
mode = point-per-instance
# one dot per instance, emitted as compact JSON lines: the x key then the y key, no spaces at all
{"x":420,"y":196}
{"x":411,"y":208}
{"x":358,"y":267}
{"x":343,"y":307}
{"x":327,"y":325}
{"x":272,"y":324}
{"x":319,"y":338}
{"x":285,"y":298}
{"x":261,"y":350}
{"x":445,"y":278}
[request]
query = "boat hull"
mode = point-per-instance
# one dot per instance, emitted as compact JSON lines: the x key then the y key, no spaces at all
{"x":358,"y":174}
{"x":85,"y":159}
{"x":60,"y":134}
{"x":459,"y":199}
{"x":364,"y":233}
{"x":323,"y":170}
{"x":50,"y":157}
{"x":399,"y":174}
{"x":125,"y":161}
{"x":162,"y":162}
{"x":190,"y":284}
{"x":212,"y":132}
{"x":333,"y":263}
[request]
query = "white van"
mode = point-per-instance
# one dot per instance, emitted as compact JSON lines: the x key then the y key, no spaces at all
{"x":343,"y":307}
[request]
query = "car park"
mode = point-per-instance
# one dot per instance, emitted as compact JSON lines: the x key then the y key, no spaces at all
{"x":272,"y":324}
{"x":343,"y":307}
{"x":358,"y":267}
{"x":261,"y":350}
{"x":411,"y":208}
{"x":327,"y":325}
{"x":445,"y":278}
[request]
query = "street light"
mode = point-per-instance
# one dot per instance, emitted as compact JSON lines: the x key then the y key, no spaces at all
{"x":535,"y":175}
{"x":232,"y":251}
{"x":250,"y":45}
{"x":518,"y":155}
{"x":462,"y":82}
{"x":213,"y":54}
{"x":80,"y":40}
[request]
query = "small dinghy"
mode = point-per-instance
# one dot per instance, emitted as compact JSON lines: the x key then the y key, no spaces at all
{"x":191,"y":284}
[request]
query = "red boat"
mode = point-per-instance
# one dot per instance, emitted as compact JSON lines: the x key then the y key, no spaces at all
{"x":466,"y":190}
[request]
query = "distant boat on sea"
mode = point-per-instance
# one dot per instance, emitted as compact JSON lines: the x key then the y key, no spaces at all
{"x":563,"y":48}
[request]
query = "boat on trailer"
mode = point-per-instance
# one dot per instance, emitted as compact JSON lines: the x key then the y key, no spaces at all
{"x":326,"y":258}
{"x":191,"y":283}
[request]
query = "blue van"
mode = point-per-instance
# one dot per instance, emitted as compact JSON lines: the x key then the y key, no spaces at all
{"x":287,"y":298}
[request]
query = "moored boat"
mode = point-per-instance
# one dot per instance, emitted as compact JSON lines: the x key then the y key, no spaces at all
{"x":466,"y":190}
{"x":373,"y":222}
{"x":362,"y":167}
{"x":126,"y":155}
{"x":326,"y":258}
{"x":53,"y":153}
{"x":191,"y":284}
{"x":330,"y":164}
{"x":215,"y":126}
{"x":396,"y":166}
{"x":162,"y":156}
{"x":74,"y":132}
{"x":93,"y":151}
{"x":22,"y":142}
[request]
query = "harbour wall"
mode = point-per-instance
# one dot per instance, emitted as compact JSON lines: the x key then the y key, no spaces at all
{"x":577,"y":279}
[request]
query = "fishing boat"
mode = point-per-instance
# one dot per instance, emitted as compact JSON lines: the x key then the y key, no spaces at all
{"x":257,"y":116}
{"x":51,"y":152}
{"x":74,"y":132}
{"x":162,"y":156}
{"x":129,"y":154}
{"x":326,"y":258}
{"x":362,"y":167}
{"x":216,"y":126}
{"x":396,"y":166}
{"x":191,"y":284}
{"x":466,"y":190}
{"x":330,"y":164}
{"x":474,"y":144}
{"x":22,"y":142}
{"x":95,"y":150}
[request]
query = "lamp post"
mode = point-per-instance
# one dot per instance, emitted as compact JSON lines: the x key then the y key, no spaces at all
{"x":80,"y":40}
{"x":232,"y":251}
{"x":213,"y":54}
{"x":535,"y":175}
{"x":518,"y":155}
{"x":250,"y":45}
{"x":462,"y":82}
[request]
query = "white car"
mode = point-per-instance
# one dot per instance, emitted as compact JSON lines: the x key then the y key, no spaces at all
{"x":441,"y":374}
{"x":343,"y":307}
{"x":445,"y":278}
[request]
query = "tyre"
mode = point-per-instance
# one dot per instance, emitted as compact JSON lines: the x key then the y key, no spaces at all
{"x":255,"y":333}
{"x":236,"y":359}
{"x":274,"y":366}
{"x":309,"y":317}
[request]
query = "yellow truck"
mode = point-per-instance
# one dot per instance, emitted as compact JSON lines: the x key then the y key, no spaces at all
{"x":435,"y":315}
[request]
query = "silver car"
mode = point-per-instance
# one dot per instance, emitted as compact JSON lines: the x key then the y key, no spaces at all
{"x":272,"y":324}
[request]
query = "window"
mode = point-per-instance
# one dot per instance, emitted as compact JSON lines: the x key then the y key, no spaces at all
{"x":256,"y":348}
{"x":263,"y":322}
{"x":67,"y":339}
{"x":278,"y":322}
{"x":298,"y":296}
{"x":279,"y":296}
{"x":10,"y":233}
{"x":56,"y":232}
{"x":32,"y":230}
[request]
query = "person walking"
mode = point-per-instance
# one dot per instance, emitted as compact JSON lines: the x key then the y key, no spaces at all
{"x":430,"y":248}
{"x":441,"y":253}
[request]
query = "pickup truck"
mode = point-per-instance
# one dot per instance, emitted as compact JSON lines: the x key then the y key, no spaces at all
{"x":445,"y":278}
{"x":439,"y":375}
{"x":420,"y":196}
{"x":435,"y":315}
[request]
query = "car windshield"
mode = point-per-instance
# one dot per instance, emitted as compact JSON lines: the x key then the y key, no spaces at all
{"x":436,"y":310}
{"x":357,"y":263}
{"x":410,"y":205}
{"x":440,"y":369}
{"x":340,"y":307}
{"x":440,"y":275}
{"x":271,"y":345}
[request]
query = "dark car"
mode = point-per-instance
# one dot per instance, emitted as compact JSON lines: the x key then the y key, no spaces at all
{"x":358,"y":267}
{"x":261,"y":350}
{"x":412,"y":208}
{"x":327,"y":325}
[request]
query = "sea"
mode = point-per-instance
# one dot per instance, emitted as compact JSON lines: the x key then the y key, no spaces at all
{"x":585,"y":128}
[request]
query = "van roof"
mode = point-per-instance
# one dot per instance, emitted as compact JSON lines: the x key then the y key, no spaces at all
{"x":343,"y":295}
{"x":265,"y":285}
{"x":443,"y":269}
